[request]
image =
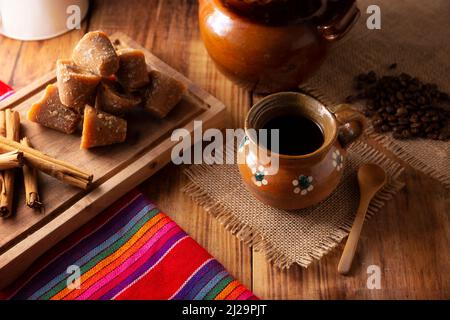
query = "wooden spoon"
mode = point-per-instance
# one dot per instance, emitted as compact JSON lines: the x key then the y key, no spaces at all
{"x":371,"y":178}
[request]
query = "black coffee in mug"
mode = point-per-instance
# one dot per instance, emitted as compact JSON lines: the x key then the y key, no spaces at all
{"x":298,"y":135}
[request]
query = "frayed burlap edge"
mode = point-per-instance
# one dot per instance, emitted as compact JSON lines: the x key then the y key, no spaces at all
{"x":389,"y":143}
{"x":252,"y":237}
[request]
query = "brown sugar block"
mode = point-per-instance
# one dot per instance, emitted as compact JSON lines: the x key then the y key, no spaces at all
{"x":101,"y":128}
{"x":51,"y":113}
{"x":95,"y":53}
{"x":132,"y":73}
{"x":75,"y":85}
{"x":113,"y":100}
{"x":163,"y":93}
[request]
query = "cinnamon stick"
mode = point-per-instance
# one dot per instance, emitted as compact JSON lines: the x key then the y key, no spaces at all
{"x":2,"y":123}
{"x":12,"y":133}
{"x":10,"y":160}
{"x":56,"y":168}
{"x":31,"y":184}
{"x":2,"y":134}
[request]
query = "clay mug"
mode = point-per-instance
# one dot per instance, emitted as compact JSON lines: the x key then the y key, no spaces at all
{"x":301,"y":180}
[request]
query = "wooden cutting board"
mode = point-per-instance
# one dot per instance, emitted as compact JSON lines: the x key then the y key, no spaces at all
{"x":117,"y":169}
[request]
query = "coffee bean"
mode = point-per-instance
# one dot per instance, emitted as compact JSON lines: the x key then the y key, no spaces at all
{"x":377,"y":128}
{"x":399,"y":96}
{"x":361,"y":77}
{"x":403,"y":120}
{"x":406,"y":134}
{"x":377,"y":122}
{"x":415,"y":131}
{"x":350,"y":99}
{"x":435,"y":118}
{"x":390,"y":110}
{"x":421,"y":100}
{"x":368,"y":113}
{"x":414,"y":118}
{"x":444,"y":96}
{"x":403,"y":104}
{"x":401,"y":111}
{"x":393,"y":66}
{"x":443,"y":136}
{"x":398,"y":129}
{"x":392,"y":118}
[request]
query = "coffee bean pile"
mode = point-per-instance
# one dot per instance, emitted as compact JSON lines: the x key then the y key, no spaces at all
{"x":404,"y":105}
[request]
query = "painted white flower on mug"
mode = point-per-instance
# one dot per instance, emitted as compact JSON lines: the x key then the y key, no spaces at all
{"x":338,"y":160}
{"x":259,"y":176}
{"x":245,"y":141}
{"x":303,"y":184}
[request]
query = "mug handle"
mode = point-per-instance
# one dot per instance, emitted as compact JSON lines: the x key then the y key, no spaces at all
{"x":351,"y":124}
{"x":338,"y":19}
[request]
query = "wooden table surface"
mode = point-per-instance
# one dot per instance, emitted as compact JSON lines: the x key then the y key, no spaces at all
{"x":409,"y":239}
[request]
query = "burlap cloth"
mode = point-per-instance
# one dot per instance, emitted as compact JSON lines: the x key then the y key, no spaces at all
{"x":414,"y":34}
{"x":289,"y":237}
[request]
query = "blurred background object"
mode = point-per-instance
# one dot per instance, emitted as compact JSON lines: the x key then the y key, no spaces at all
{"x":40,"y":19}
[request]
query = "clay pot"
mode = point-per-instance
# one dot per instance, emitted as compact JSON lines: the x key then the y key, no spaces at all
{"x":301,"y":180}
{"x":270,"y":46}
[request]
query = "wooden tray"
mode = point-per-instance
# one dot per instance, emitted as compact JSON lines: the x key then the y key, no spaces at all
{"x":117,"y":169}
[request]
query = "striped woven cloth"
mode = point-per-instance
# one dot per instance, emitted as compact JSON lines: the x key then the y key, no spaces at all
{"x":130,"y":251}
{"x":5,"y":91}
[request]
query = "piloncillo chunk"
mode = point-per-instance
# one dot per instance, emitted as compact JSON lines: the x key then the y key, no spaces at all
{"x":163,"y":93}
{"x":51,"y":113}
{"x":132,"y":73}
{"x":75,"y":85}
{"x":95,"y":53}
{"x":111,"y":99}
{"x":101,"y":129}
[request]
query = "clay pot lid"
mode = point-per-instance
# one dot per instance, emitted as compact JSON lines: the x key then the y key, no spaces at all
{"x":259,"y":2}
{"x":277,"y":11}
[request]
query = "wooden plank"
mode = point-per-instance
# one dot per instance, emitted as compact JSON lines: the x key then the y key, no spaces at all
{"x":16,"y":260}
{"x":406,"y":238}
{"x":9,"y":51}
{"x":409,"y":237}
{"x":37,"y":58}
{"x":169,"y":28}
{"x":148,"y":145}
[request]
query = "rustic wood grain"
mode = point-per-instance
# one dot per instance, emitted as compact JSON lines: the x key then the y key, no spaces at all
{"x":9,"y":53}
{"x":116,"y":168}
{"x":409,"y":238}
{"x":169,"y":30}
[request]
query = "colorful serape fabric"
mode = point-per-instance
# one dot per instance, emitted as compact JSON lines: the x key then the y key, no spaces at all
{"x":130,"y":251}
{"x":5,"y":91}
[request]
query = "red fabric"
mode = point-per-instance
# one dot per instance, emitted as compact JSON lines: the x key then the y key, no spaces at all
{"x":5,"y":91}
{"x":170,"y":274}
